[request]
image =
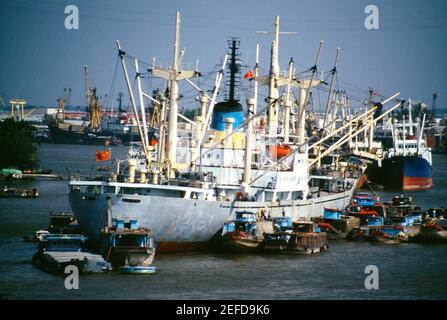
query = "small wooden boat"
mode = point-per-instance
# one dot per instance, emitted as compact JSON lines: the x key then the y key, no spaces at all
{"x":401,"y":212}
{"x":304,"y":238}
{"x":245,"y":233}
{"x":432,"y":213}
{"x":431,"y":233}
{"x":402,"y":206}
{"x":404,"y":221}
{"x":379,"y":234}
{"x":336,"y":224}
{"x":125,"y":244}
{"x":368,"y":215}
{"x":387,"y":235}
{"x":137,"y":269}
{"x":10,"y":174}
{"x":37,"y":171}
{"x":7,"y":192}
{"x":358,"y":234}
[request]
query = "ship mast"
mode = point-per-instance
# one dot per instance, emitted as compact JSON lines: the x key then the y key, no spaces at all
{"x":410,"y":117}
{"x":255,"y":90}
{"x":288,"y":104}
{"x":172,"y":125}
{"x":173,"y":75}
{"x":331,"y":86}
{"x":273,"y":77}
{"x":251,"y":104}
{"x":305,"y":86}
{"x":273,"y":80}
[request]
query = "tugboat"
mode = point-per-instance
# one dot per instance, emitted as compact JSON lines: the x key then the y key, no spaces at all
{"x":305,"y":237}
{"x":245,"y":233}
{"x":56,"y":252}
{"x":128,"y":247}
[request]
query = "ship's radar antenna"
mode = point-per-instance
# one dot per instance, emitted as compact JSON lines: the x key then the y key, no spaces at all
{"x":234,"y":78}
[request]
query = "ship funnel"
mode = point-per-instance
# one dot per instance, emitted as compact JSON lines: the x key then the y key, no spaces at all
{"x":231,"y":106}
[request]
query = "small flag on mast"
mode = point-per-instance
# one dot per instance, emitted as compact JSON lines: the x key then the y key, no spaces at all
{"x":103,"y":155}
{"x":249,"y":75}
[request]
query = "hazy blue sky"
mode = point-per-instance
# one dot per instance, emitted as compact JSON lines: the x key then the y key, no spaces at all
{"x":39,"y":57}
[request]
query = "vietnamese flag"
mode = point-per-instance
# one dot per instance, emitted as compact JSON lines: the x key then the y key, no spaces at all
{"x":249,"y":75}
{"x":103,"y":155}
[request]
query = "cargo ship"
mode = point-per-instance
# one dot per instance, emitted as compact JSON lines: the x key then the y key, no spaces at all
{"x":407,"y":164}
{"x":185,"y":187}
{"x":86,"y":131}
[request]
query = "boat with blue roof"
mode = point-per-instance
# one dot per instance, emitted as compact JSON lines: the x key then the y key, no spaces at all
{"x":336,"y":223}
{"x":387,"y":235}
{"x":128,"y":247}
{"x":57,"y":251}
{"x":304,"y":237}
{"x":246,"y":232}
{"x":364,"y":199}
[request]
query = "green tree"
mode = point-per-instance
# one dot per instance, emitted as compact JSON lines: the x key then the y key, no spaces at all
{"x":16,"y":145}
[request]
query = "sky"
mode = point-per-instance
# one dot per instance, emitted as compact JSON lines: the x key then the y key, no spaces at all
{"x":40,"y":57}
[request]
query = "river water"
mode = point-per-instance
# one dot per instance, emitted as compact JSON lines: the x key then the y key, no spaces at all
{"x":406,"y":271}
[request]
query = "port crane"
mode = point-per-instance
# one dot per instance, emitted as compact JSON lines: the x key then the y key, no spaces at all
{"x":93,"y":102}
{"x":61,"y":103}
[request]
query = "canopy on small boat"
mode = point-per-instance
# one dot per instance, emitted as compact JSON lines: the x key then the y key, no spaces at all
{"x":9,"y":172}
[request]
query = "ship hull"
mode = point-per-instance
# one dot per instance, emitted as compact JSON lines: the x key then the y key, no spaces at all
{"x":62,"y":136}
{"x":181,"y":224}
{"x":404,"y":173}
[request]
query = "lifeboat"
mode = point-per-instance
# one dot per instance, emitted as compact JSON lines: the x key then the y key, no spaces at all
{"x":153,"y":142}
{"x":279,"y":152}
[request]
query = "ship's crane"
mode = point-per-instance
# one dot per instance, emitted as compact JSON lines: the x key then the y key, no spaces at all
{"x":61,"y":103}
{"x":93,"y":102}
